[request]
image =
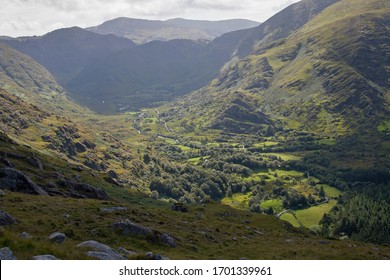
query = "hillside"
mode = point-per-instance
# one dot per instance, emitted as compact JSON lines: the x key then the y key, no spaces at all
{"x":143,"y":31}
{"x":65,"y":52}
{"x":319,"y":79}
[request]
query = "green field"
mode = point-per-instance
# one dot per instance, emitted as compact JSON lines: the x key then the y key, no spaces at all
{"x":330,"y":191}
{"x":265,"y":144}
{"x":284,"y":156}
{"x":238,"y":201}
{"x":288,"y":217}
{"x":309,"y":217}
{"x":276,"y":204}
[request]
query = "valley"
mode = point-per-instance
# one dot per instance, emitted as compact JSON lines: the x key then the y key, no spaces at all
{"x":275,"y":139}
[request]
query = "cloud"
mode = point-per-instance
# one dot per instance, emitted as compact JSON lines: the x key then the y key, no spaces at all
{"x":36,"y":17}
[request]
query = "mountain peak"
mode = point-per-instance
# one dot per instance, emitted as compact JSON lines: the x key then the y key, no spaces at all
{"x":143,"y":30}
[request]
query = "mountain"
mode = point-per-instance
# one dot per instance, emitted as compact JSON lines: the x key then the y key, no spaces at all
{"x":152,"y":73}
{"x":143,"y":31}
{"x":36,"y":112}
{"x":19,"y":73}
{"x":277,"y":27}
{"x":65,"y":52}
{"x":317,"y":77}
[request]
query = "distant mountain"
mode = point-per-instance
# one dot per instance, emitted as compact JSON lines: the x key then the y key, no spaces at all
{"x":149,"y":74}
{"x":152,"y":73}
{"x":65,"y":52}
{"x":328,"y":75}
{"x":142,"y":31}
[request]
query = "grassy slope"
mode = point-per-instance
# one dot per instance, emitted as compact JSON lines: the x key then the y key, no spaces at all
{"x":213,"y":232}
{"x":316,"y":79}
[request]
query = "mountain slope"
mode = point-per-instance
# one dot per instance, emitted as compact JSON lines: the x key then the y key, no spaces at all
{"x":143,"y":31}
{"x":65,"y":52}
{"x":36,"y":112}
{"x":151,"y":73}
{"x":24,"y":74}
{"x":277,"y":27}
{"x":319,"y":79}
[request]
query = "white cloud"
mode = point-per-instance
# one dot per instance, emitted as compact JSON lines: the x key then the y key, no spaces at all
{"x":36,"y":17}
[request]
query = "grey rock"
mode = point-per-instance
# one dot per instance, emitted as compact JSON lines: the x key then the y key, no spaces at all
{"x":113,"y":174}
{"x":2,"y":193}
{"x":102,"y":249}
{"x":6,"y":254}
{"x":6,"y":219}
{"x":130,"y":228}
{"x":82,"y":190}
{"x":35,"y":162}
{"x":167,"y":239}
{"x":6,"y":162}
{"x":149,"y":255}
{"x":16,"y":181}
{"x":113,"y":209}
{"x":125,"y":252}
{"x":57,"y":237}
{"x":101,"y":256}
{"x":45,"y":258}
{"x":25,"y":235}
{"x":80,"y":148}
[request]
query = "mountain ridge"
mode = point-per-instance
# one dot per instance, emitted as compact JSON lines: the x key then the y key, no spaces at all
{"x":143,"y":31}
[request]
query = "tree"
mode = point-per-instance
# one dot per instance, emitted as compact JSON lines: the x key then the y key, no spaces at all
{"x":322,"y":193}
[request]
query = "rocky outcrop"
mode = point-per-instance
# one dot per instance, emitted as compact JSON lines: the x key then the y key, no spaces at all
{"x":82,"y":190}
{"x":100,"y":251}
{"x":130,"y":228}
{"x":45,"y":258}
{"x":57,"y":237}
{"x":6,"y":219}
{"x":6,"y":254}
{"x":16,"y":181}
{"x":25,"y":235}
{"x":167,"y":239}
{"x":35,"y":162}
{"x":112,"y":209}
{"x":133,"y":229}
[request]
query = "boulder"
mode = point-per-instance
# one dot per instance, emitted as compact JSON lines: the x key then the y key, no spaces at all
{"x":133,"y":229}
{"x":82,"y":190}
{"x":6,"y":162}
{"x":35,"y":162}
{"x":6,"y":254}
{"x":16,"y":181}
{"x":25,"y":235}
{"x":113,"y":209}
{"x":80,"y":148}
{"x":45,"y":258}
{"x":6,"y":219}
{"x":130,"y":228}
{"x":2,"y":193}
{"x":112,"y":174}
{"x":57,"y":237}
{"x":167,"y":239}
{"x":125,"y":252}
{"x":151,"y":256}
{"x":101,"y":251}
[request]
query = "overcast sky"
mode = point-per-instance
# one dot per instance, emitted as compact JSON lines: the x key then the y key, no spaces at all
{"x":37,"y":17}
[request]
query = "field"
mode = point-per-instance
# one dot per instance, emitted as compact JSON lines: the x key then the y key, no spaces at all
{"x":309,"y":217}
